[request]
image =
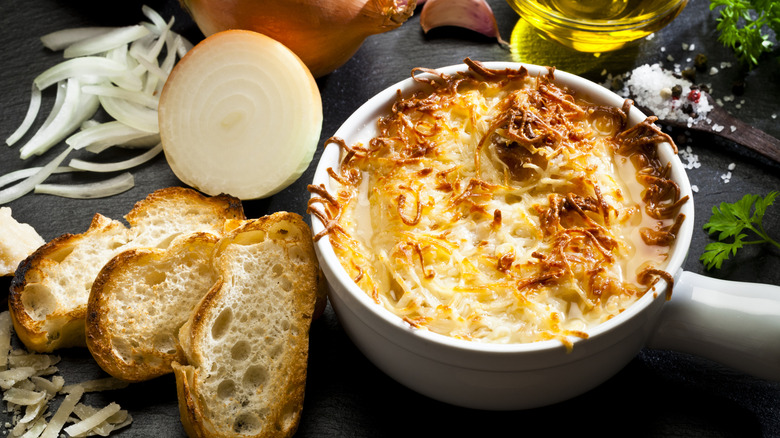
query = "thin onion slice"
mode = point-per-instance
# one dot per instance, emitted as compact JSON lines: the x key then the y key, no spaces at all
{"x":72,"y":113}
{"x":145,"y":142}
{"x":61,"y":39}
{"x":145,"y":99}
{"x":100,"y":189}
{"x":20,"y":174}
{"x":240,"y":114}
{"x":104,"y":134}
{"x":105,"y":42}
{"x":85,"y":67}
{"x":29,"y":118}
{"x":28,"y":185}
{"x":131,"y":114}
{"x":116,"y":166}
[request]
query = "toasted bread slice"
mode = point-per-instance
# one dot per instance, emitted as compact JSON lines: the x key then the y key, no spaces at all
{"x":247,"y":341}
{"x":49,"y":292}
{"x":139,"y":301}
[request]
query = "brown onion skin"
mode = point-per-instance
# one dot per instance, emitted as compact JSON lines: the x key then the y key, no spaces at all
{"x":323,"y":33}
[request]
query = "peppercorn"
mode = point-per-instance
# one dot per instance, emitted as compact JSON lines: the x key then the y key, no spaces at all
{"x":617,"y":83}
{"x":689,"y":73}
{"x":700,"y":61}
{"x":676,"y":91}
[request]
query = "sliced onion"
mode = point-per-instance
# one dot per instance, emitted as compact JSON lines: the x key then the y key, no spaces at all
{"x":59,"y":98}
{"x":29,"y":118}
{"x":20,"y":174}
{"x":150,"y":66}
{"x":107,"y":41}
{"x":60,"y":126}
{"x":146,"y":99}
{"x":85,"y":109}
{"x":117,"y":68}
{"x":116,"y":166}
{"x":28,"y":185}
{"x":145,"y":142}
{"x":154,"y":17}
{"x":131,"y":114}
{"x":63,"y":38}
{"x":158,"y":43}
{"x":88,"y":66}
{"x":112,"y":186}
{"x":104,"y":134}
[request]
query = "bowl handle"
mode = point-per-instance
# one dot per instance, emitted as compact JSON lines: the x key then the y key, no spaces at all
{"x":734,"y":323}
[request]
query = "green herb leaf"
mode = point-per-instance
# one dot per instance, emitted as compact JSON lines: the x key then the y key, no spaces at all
{"x":729,"y":221}
{"x":744,"y":25}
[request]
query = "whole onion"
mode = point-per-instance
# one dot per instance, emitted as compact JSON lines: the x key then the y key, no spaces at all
{"x":323,"y":33}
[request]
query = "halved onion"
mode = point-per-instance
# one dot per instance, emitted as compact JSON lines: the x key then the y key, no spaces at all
{"x":240,"y":114}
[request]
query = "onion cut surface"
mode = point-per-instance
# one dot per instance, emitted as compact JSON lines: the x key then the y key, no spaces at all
{"x":240,"y":114}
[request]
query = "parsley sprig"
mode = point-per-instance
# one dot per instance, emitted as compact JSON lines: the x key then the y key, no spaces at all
{"x":731,"y":220}
{"x":744,"y":25}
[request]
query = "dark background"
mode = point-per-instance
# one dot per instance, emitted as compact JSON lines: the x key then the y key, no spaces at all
{"x":659,"y":393}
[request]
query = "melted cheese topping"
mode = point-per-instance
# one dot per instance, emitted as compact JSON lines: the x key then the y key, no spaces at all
{"x":495,"y":207}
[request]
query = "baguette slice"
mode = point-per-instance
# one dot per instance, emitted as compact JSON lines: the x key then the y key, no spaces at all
{"x":49,"y":292}
{"x":247,"y":341}
{"x":139,"y":301}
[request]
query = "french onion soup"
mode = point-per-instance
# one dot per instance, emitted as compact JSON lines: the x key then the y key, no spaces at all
{"x":495,"y":206}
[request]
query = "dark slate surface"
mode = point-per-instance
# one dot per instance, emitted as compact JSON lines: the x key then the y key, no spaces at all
{"x":659,"y":393}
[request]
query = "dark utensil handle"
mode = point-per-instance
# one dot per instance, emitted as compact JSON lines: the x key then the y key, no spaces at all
{"x":746,"y":135}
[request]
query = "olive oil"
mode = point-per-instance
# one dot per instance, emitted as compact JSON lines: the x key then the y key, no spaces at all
{"x":597,"y":25}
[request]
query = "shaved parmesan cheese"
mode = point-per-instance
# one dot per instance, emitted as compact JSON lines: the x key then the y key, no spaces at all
{"x":92,"y":421}
{"x":27,"y":395}
{"x":17,"y":241}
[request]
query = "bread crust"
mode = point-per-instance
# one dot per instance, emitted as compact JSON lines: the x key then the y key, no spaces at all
{"x":281,"y":396}
{"x":59,"y":324}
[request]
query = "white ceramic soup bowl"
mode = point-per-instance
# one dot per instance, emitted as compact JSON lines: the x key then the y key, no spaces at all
{"x":737,"y":324}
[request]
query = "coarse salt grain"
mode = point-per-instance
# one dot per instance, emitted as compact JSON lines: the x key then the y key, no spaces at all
{"x":695,"y":188}
{"x":732,"y":166}
{"x":647,"y":85}
{"x":726,"y":177}
{"x":689,"y":159}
